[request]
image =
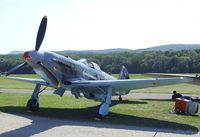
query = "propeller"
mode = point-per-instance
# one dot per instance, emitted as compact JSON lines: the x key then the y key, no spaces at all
{"x":41,"y":33}
{"x":14,"y":69}
{"x":39,"y":39}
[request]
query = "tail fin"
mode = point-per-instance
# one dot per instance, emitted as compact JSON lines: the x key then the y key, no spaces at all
{"x":123,"y":73}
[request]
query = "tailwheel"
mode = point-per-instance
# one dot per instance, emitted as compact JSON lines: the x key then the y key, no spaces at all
{"x":32,"y":105}
{"x":120,"y":99}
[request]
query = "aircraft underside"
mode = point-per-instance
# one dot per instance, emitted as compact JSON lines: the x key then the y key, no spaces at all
{"x":96,"y":93}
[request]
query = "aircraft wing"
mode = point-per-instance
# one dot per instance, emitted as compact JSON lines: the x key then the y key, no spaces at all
{"x":170,"y":75}
{"x":195,"y":81}
{"x":117,"y":85}
{"x":30,"y":80}
{"x":130,"y":84}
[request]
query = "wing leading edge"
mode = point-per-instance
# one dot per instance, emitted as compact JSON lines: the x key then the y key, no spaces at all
{"x":117,"y":85}
{"x":30,"y":80}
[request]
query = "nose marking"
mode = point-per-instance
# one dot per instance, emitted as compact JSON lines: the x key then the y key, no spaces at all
{"x":26,"y":55}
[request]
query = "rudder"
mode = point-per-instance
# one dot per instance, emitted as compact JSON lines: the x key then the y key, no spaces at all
{"x":123,"y":73}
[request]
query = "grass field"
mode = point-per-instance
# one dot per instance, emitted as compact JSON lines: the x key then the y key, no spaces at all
{"x":142,"y":113}
{"x":13,"y":84}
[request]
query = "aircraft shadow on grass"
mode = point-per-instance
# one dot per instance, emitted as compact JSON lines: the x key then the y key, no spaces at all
{"x":85,"y":117}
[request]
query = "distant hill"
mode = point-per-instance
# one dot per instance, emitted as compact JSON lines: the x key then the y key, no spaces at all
{"x":16,"y":52}
{"x":104,"y":51}
{"x":175,"y":47}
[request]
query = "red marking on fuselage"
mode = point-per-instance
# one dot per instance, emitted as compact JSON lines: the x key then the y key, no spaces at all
{"x":54,"y":69}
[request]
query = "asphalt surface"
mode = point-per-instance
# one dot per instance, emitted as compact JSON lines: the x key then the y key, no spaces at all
{"x":28,"y":125}
{"x":25,"y":126}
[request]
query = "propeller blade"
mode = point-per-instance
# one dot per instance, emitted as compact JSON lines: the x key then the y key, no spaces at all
{"x":41,"y":33}
{"x":13,"y":69}
{"x":52,"y":78}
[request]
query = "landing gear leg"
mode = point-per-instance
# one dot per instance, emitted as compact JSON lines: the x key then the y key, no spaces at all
{"x":33,"y":102}
{"x":103,"y":110}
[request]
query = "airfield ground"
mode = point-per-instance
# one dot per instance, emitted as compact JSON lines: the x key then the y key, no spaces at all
{"x":144,"y":112}
{"x":15,"y":121}
{"x":26,"y":125}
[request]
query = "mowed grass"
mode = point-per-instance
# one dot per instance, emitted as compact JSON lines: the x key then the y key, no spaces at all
{"x":183,"y":88}
{"x":6,"y":83}
{"x":135,"y":112}
{"x":143,"y":113}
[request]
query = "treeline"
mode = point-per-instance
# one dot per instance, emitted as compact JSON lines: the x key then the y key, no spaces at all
{"x":184,"y":61}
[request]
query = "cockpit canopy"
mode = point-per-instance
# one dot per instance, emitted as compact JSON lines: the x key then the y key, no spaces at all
{"x":84,"y":61}
{"x":94,"y":65}
{"x":90,"y":64}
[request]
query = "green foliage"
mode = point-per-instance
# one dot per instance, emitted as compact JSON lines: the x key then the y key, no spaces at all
{"x":184,"y":61}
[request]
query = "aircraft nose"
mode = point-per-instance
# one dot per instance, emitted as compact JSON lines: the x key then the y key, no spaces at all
{"x":33,"y":56}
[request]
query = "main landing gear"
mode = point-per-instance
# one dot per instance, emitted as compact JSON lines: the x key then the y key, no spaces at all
{"x":32,"y":105}
{"x":33,"y":102}
{"x":104,"y":108}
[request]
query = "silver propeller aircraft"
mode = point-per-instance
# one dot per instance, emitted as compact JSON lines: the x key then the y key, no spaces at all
{"x":81,"y":77}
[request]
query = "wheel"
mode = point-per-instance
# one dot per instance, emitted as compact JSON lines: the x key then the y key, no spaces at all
{"x":32,"y":105}
{"x":120,"y":98}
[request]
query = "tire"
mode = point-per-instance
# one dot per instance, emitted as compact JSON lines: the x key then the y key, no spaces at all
{"x":32,"y":105}
{"x":120,"y":99}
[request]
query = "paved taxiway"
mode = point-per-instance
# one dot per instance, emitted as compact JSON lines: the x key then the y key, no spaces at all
{"x":29,"y":125}
{"x":25,"y":126}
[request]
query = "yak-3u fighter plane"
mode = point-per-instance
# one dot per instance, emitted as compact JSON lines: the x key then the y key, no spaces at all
{"x":81,"y":77}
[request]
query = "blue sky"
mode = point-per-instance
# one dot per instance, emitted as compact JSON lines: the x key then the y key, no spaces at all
{"x":98,"y":24}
